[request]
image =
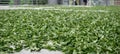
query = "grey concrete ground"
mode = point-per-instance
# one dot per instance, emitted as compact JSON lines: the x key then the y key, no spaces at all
{"x":17,"y":7}
{"x":43,"y":51}
{"x":48,"y":8}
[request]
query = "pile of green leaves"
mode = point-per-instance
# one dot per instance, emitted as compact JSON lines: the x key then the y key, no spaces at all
{"x":73,"y":32}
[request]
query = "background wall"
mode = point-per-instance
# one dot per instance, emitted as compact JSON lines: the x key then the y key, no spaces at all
{"x":52,"y":2}
{"x":61,"y":2}
{"x":101,"y":2}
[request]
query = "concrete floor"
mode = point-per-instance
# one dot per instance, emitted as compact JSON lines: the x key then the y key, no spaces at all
{"x":43,"y":51}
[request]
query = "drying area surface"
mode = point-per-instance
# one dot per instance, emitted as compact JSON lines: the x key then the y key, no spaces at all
{"x":72,"y":30}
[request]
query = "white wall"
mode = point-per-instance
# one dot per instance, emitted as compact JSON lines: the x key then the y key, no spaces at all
{"x":52,"y":2}
{"x":101,"y":2}
{"x":65,"y":2}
